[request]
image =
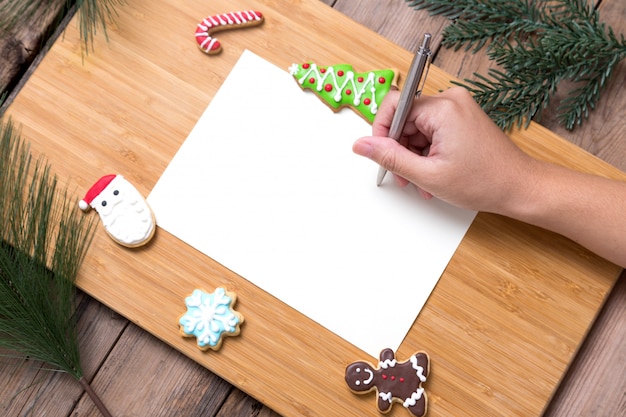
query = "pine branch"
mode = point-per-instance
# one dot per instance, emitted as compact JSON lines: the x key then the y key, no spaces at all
{"x":43,"y":240}
{"x":93,"y":15}
{"x":538,"y":45}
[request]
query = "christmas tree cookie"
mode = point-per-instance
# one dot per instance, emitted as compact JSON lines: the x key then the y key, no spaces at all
{"x":340,"y":86}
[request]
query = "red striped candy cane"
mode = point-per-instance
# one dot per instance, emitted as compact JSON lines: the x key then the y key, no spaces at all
{"x":231,"y":20}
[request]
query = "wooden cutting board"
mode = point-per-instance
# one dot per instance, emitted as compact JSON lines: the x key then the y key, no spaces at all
{"x":502,"y":325}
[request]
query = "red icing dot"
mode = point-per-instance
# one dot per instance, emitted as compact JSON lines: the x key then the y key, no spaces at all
{"x":348,"y":92}
{"x":382,"y":80}
{"x":328,"y":87}
{"x":340,"y":73}
{"x":384,"y":376}
{"x":306,"y":66}
{"x":367,"y":101}
{"x":401,"y":379}
{"x":393,"y":378}
{"x":322,"y":70}
{"x":360,"y":79}
{"x":311,"y":80}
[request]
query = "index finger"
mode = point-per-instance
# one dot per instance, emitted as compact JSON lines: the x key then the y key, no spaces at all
{"x":382,"y":121}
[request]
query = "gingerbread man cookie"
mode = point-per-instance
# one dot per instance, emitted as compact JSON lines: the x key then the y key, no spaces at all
{"x":393,"y":381}
{"x":340,"y":86}
{"x":231,"y":20}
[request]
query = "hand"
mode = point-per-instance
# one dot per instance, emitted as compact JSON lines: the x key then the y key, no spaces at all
{"x":449,"y":149}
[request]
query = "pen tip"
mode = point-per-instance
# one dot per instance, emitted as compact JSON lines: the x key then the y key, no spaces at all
{"x":381,"y":176}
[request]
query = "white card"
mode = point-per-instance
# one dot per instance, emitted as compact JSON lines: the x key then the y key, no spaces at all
{"x":267,"y":184}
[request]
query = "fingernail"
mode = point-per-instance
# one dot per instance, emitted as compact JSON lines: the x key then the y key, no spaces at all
{"x":362,"y":148}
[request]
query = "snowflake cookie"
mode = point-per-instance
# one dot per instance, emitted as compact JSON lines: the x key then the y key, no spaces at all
{"x":210,"y":317}
{"x":393,"y":381}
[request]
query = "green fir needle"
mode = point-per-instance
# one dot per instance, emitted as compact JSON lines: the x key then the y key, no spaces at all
{"x":538,"y":45}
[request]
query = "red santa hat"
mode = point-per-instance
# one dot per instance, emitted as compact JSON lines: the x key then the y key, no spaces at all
{"x":95,"y":190}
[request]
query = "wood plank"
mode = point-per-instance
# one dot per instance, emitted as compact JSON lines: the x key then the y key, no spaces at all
{"x":586,"y":379}
{"x":587,"y":387}
{"x":238,"y":404}
{"x":609,"y":121}
{"x":19,"y":46}
{"x":27,"y":389}
{"x":596,"y":382}
{"x":595,"y":135}
{"x":144,"y":377}
{"x":395,"y":21}
{"x":541,"y":269}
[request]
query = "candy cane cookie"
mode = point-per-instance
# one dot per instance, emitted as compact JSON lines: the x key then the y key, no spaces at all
{"x":224,"y":21}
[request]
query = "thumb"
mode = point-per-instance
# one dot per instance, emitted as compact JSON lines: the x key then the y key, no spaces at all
{"x":392,"y":156}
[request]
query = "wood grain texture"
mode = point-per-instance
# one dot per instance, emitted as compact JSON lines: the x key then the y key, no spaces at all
{"x":32,"y":388}
{"x":146,"y":377}
{"x":395,"y":21}
{"x":240,"y":404}
{"x":596,"y":383}
{"x":609,"y":120}
{"x":470,"y":328}
{"x":20,"y":45}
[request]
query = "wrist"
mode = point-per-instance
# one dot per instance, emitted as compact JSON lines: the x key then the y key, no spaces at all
{"x":528,"y":195}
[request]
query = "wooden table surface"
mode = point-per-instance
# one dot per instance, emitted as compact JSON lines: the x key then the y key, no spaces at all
{"x":161,"y":381}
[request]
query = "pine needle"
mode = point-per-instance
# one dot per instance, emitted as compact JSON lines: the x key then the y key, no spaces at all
{"x":538,"y":45}
{"x":93,"y":15}
{"x":43,"y":240}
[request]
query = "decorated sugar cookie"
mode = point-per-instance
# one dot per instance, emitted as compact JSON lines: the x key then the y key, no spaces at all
{"x":210,"y":317}
{"x":393,"y":381}
{"x":231,"y":20}
{"x":124,"y":212}
{"x":340,"y":86}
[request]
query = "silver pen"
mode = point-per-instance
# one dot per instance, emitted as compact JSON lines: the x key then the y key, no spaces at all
{"x":412,"y":88}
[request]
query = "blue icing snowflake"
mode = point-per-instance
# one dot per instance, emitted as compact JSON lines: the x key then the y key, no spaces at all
{"x":209,"y":316}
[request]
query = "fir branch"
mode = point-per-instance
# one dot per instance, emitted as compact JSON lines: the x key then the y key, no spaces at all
{"x":43,"y":240}
{"x":538,"y":45}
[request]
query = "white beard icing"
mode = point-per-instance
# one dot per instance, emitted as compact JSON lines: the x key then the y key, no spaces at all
{"x":124,"y":213}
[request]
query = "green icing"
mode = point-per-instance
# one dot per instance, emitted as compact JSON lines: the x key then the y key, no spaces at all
{"x":339,"y":86}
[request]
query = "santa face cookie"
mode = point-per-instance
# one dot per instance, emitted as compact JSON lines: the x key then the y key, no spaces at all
{"x":124,"y":213}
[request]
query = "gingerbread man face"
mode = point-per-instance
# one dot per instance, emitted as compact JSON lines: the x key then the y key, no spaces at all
{"x":394,"y":381}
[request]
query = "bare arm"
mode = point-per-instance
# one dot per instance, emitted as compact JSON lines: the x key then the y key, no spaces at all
{"x":452,"y":150}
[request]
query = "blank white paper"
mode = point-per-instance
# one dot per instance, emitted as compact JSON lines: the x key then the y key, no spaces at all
{"x":267,"y":184}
